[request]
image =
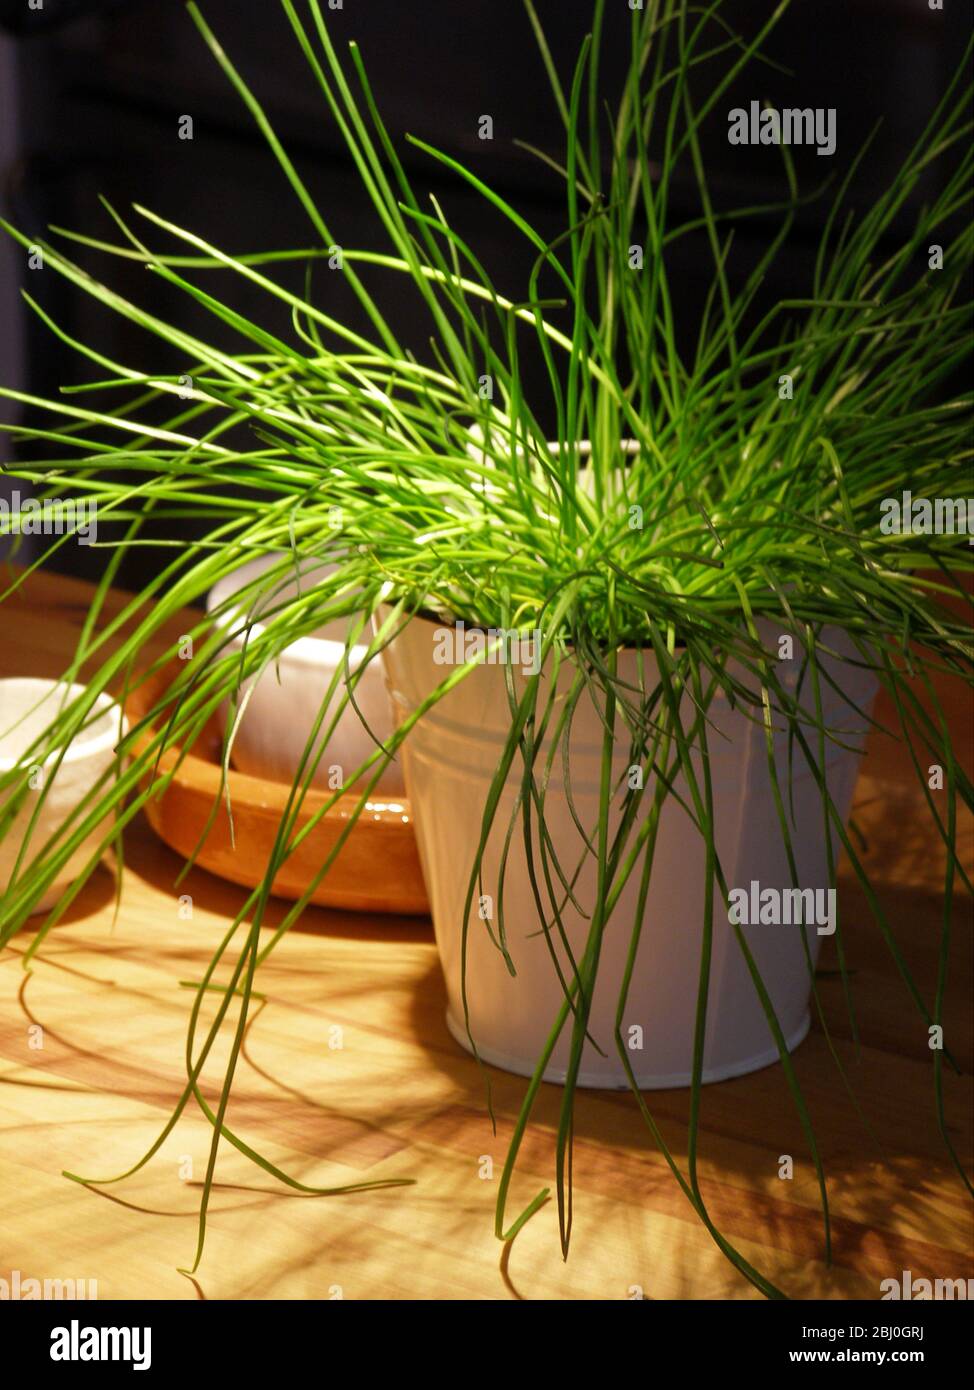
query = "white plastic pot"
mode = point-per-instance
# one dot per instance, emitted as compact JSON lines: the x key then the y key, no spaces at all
{"x":27,"y":707}
{"x":449,"y":760}
{"x":285,"y":700}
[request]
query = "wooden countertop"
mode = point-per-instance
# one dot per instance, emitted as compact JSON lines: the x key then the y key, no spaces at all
{"x":402,"y":1100}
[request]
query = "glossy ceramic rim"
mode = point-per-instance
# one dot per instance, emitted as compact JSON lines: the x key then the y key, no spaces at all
{"x":304,"y":651}
{"x":84,"y":744}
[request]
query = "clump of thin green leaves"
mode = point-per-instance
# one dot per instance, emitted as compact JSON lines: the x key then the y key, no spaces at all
{"x":384,"y":457}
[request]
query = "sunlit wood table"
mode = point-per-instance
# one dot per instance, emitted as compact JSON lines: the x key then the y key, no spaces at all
{"x":401,"y":1100}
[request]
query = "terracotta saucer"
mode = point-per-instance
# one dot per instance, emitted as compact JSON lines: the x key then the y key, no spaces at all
{"x":377,"y":869}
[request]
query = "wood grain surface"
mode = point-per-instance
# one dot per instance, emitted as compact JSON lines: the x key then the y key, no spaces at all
{"x":400,"y":1100}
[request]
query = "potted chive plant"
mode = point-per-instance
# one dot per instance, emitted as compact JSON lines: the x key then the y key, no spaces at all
{"x":516,"y":917}
{"x":632,"y":653}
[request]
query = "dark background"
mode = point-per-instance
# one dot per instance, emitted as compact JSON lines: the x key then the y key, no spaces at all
{"x":91,"y":95}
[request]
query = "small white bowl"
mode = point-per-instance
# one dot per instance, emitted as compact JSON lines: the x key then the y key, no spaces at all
{"x":27,"y":707}
{"x":276,"y":725}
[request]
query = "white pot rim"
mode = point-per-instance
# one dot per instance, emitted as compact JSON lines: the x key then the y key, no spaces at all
{"x":303,"y":651}
{"x":86,"y":744}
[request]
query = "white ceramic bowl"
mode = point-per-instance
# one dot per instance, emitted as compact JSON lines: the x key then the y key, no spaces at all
{"x":27,"y":707}
{"x":280,"y":713}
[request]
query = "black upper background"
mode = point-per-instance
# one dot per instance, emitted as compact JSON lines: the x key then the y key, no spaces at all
{"x":101,"y":87}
